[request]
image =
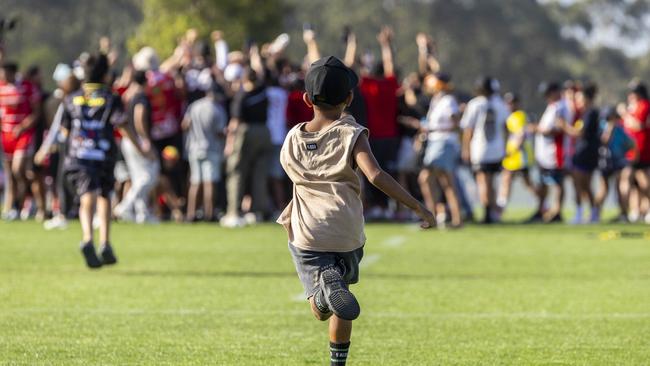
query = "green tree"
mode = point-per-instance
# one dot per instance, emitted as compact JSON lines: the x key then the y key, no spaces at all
{"x":164,"y":21}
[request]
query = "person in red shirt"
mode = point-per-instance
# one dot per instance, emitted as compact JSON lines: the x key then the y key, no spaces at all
{"x":379,"y":90}
{"x":297,"y":110}
{"x":637,"y":124}
{"x":19,"y":110}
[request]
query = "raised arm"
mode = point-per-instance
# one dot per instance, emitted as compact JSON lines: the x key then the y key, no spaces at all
{"x":350,"y":50}
{"x":256,"y":61}
{"x":313,"y":53}
{"x":366,"y":161}
{"x":384,"y":37}
{"x":427,"y":61}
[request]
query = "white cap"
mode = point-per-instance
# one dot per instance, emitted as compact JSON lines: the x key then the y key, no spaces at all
{"x":232,"y":72}
{"x":146,"y":59}
{"x":61,"y":72}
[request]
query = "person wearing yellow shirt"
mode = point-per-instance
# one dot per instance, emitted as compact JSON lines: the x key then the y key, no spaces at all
{"x":518,"y":152}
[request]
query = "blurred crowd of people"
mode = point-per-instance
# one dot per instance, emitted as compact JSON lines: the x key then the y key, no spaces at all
{"x":209,"y":123}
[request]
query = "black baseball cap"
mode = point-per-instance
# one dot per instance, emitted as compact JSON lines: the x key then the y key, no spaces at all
{"x":329,"y":81}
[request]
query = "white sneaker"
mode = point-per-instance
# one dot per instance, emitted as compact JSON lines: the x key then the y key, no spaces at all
{"x":250,"y":218}
{"x":232,"y":221}
{"x":633,"y":216}
{"x":122,"y":214}
{"x":56,"y":222}
{"x":11,"y":215}
{"x":441,"y":221}
{"x":646,"y":218}
{"x":25,"y":214}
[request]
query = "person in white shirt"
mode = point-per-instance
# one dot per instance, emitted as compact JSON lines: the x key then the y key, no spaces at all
{"x":550,"y":153}
{"x":442,"y":153}
{"x":483,"y":126}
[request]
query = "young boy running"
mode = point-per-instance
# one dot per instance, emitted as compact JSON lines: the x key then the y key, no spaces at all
{"x":89,"y":117}
{"x":324,"y":220}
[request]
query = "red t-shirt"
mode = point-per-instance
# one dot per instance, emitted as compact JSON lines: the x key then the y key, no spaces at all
{"x":16,"y":103}
{"x":165,"y":105}
{"x":380,"y":95}
{"x":642,"y":136}
{"x":297,"y":110}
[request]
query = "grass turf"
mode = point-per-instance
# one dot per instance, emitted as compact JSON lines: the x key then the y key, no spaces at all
{"x":201,"y":295}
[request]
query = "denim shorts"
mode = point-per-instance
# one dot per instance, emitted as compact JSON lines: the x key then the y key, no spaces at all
{"x":309,"y":265}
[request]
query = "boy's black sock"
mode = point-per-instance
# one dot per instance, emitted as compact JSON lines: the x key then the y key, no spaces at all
{"x":339,"y":353}
{"x":319,"y":301}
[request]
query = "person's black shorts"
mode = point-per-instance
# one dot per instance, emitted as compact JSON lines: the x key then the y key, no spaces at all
{"x":551,"y":177}
{"x":90,"y":177}
{"x":584,"y":168}
{"x":487,"y":167}
{"x":310,"y":264}
{"x":641,"y":165}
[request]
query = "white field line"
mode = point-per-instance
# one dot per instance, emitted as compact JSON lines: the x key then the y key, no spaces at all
{"x":394,"y":241}
{"x":404,"y":315}
{"x":369,"y":260}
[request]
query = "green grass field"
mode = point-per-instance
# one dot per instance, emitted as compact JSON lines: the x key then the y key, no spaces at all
{"x":202,"y":295}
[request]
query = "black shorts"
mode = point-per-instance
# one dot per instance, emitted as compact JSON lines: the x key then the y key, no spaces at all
{"x":549,"y":177}
{"x":310,"y":264}
{"x":91,"y":177}
{"x":487,"y":167}
{"x":641,"y":165}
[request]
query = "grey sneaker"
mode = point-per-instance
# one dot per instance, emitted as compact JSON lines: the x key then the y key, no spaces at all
{"x":337,"y":296}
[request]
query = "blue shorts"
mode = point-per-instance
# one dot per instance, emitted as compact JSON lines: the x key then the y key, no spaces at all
{"x":442,"y":154}
{"x":551,"y":177}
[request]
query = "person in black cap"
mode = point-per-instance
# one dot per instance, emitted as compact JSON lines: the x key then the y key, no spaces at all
{"x":324,"y":220}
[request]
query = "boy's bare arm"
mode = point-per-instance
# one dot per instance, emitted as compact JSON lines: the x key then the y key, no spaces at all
{"x":379,"y":178}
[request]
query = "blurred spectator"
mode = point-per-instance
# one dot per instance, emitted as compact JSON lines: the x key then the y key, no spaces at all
{"x":379,"y":90}
{"x":142,"y":161}
{"x":204,"y":125}
{"x":249,"y":149}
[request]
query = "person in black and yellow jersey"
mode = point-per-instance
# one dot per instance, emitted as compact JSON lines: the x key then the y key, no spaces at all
{"x":89,"y":118}
{"x":518,"y":152}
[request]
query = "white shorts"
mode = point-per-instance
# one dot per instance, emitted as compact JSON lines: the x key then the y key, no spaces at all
{"x":205,"y":170}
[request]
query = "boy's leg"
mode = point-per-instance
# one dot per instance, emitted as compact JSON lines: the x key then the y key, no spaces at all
{"x":192,"y":198}
{"x":319,"y":310}
{"x":208,"y":201}
{"x":447,"y":185}
{"x":425,"y":180}
{"x":340,"y":331}
{"x":504,"y":191}
{"x":104,"y":214}
{"x":86,"y":205}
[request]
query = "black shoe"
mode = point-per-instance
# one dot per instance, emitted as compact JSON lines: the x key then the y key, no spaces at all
{"x":536,"y":218}
{"x":556,"y":219}
{"x":107,"y":255}
{"x":88,"y":251}
{"x":337,"y":296}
